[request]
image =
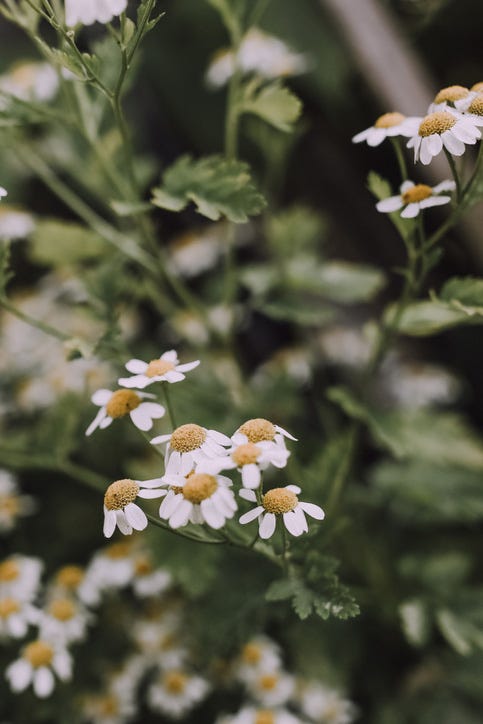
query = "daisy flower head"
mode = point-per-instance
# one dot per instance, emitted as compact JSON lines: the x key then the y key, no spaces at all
{"x":323,"y":704}
{"x":164,"y":369}
{"x":3,"y":192}
{"x":450,"y":96}
{"x":257,"y":715}
{"x":20,"y":577}
{"x":272,"y":688}
{"x":120,"y":509}
{"x":114,"y":405}
{"x":15,"y":223}
{"x":190,"y":444}
{"x":37,"y":664}
{"x":388,"y":125}
{"x":110,"y":569}
{"x":199,"y":498}
{"x":284,"y":503}
{"x":259,"y":430}
{"x":148,"y":580}
{"x":63,"y":619}
{"x":413,"y":198}
{"x":68,"y":580}
{"x":15,"y":617}
{"x":29,"y":81}
{"x":472,"y":108}
{"x":447,"y":129}
{"x":250,"y":459}
{"x":13,"y":505}
{"x":259,"y":655}
{"x":176,"y":692}
{"x":88,"y":12}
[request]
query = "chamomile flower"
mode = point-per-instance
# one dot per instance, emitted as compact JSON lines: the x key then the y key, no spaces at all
{"x":447,"y":129}
{"x":120,"y":509}
{"x":388,"y":125}
{"x":259,"y":655}
{"x":326,"y":705}
{"x":190,"y":444}
{"x":63,"y":619}
{"x":67,"y":581}
{"x":3,"y":192}
{"x":88,"y":12}
{"x":15,"y":223}
{"x":110,"y":707}
{"x":39,"y":661}
{"x":413,"y":198}
{"x":280,"y":502}
{"x":176,"y":692}
{"x":13,"y":505}
{"x":20,"y":577}
{"x":160,"y":641}
{"x":29,"y":81}
{"x":259,"y":430}
{"x":272,"y":688}
{"x":110,"y":569}
{"x":15,"y":617}
{"x":164,"y":369}
{"x":472,"y":108}
{"x":258,"y":715}
{"x":114,"y":405}
{"x":250,"y":459}
{"x":450,"y":96}
{"x":148,"y":580}
{"x":198,"y":498}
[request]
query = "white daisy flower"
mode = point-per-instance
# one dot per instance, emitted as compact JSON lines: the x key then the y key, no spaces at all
{"x":446,"y":128}
{"x":88,"y":12}
{"x":260,"y":430}
{"x":15,"y":223}
{"x":120,"y":509}
{"x":450,"y":96}
{"x":388,"y":125}
{"x":280,"y":502}
{"x":199,"y":498}
{"x":63,"y":620}
{"x":164,"y":369}
{"x":190,"y":444}
{"x":250,"y":459}
{"x":256,"y":715}
{"x":121,"y":403}
{"x":67,"y":581}
{"x":272,"y":688}
{"x":197,"y":251}
{"x":149,"y":581}
{"x":325,"y":705}
{"x":259,"y":655}
{"x":20,"y":577}
{"x":12,"y":504}
{"x":416,"y":197}
{"x":29,"y":81}
{"x":110,"y":569}
{"x":160,"y":642}
{"x":3,"y":192}
{"x":472,"y":108}
{"x":175,"y":693}
{"x":37,"y":665}
{"x":111,"y":707}
{"x":15,"y":617}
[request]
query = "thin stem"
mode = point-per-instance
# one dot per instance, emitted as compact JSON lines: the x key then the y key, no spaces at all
{"x":257,"y":12}
{"x":455,"y":174}
{"x":46,"y":328}
{"x":285,"y":545}
{"x":403,"y":169}
{"x":169,"y":406}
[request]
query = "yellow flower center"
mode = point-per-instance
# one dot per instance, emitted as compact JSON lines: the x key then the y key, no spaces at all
{"x":187,"y":437}
{"x":108,"y":706}
{"x":38,"y":653}
{"x":268,"y":682}
{"x":451,"y":94}
{"x":8,"y":606}
{"x":122,"y":403}
{"x":9,"y":571}
{"x":175,"y":682}
{"x":143,"y":566}
{"x":477,"y":87}
{"x":116,"y":551}
{"x":246,"y":454}
{"x":279,"y":500}
{"x":436,"y":123}
{"x":258,"y":429}
{"x":388,"y":120}
{"x":417,"y":193}
{"x":251,"y":653}
{"x":476,"y":106}
{"x":70,"y":577}
{"x":62,"y":609}
{"x":24,"y":74}
{"x":158,"y":367}
{"x":198,"y":487}
{"x":10,"y":506}
{"x":120,"y":493}
{"x":263,"y":716}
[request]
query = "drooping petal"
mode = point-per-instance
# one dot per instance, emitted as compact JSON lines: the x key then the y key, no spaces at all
{"x":294,"y":488}
{"x":248,"y":495}
{"x":141,"y":418}
{"x":411,"y":211}
{"x":374,"y":138}
{"x":188,"y":366}
{"x":136,"y":366}
{"x":386,"y":206}
{"x":152,"y":483}
{"x":96,"y":421}
{"x":138,"y":381}
{"x":135,"y":516}
{"x":19,"y":674}
{"x":44,"y":682}
{"x":160,"y":439}
{"x":285,"y":433}
{"x":425,"y":154}
{"x":267,"y":526}
{"x":219,"y":437}
{"x":293,"y":523}
{"x":362,"y":136}
{"x":105,"y":422}
{"x":212,"y":516}
{"x":453,"y":144}
{"x":153,"y":409}
{"x":315,"y":511}
{"x":251,"y":515}
{"x":122,"y":523}
{"x":251,"y":476}
{"x":435,"y":144}
{"x":109,"y":522}
{"x":151,"y":494}
{"x":172,"y":376}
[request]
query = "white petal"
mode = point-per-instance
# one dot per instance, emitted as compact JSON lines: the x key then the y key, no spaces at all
{"x":43,"y":682}
{"x":105,"y":422}
{"x":211,"y":514}
{"x":251,"y":515}
{"x":285,"y":433}
{"x":19,"y":674}
{"x":160,"y":439}
{"x":188,"y":366}
{"x":386,"y":206}
{"x":101,"y":397}
{"x":141,"y":418}
{"x":465,"y":133}
{"x":136,"y":366}
{"x":267,"y":526}
{"x":219,"y":438}
{"x":62,"y":665}
{"x":172,"y":376}
{"x":109,"y":522}
{"x":152,"y":483}
{"x":374,"y":138}
{"x":434,"y":201}
{"x":315,"y":511}
{"x":247,"y":495}
{"x":435,"y":144}
{"x":251,"y":476}
{"x":169,"y":505}
{"x":294,"y":488}
{"x":181,"y":515}
{"x":122,"y":523}
{"x":425,"y":154}
{"x":96,"y":421}
{"x":138,"y":381}
{"x":293,"y":523}
{"x":362,"y":136}
{"x":406,"y":185}
{"x":135,"y":516}
{"x":150,"y":494}
{"x":444,"y":186}
{"x":170,"y":356}
{"x":410,"y":211}
{"x":153,"y":409}
{"x":453,"y":144}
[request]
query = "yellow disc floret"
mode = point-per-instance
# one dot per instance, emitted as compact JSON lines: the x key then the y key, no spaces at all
{"x":175,"y":682}
{"x":476,"y":106}
{"x":268,"y":682}
{"x":388,"y":120}
{"x":451,"y":94}
{"x":9,"y":571}
{"x":264,"y":716}
{"x":120,"y":493}
{"x":122,"y":403}
{"x":417,"y":193}
{"x":436,"y":123}
{"x":63,"y":609}
{"x":258,"y":429}
{"x":116,"y":551}
{"x":251,"y":653}
{"x":279,"y":500}
{"x":70,"y":577}
{"x":199,"y":487}
{"x":143,"y":566}
{"x":8,"y":606}
{"x":38,"y":654}
{"x":10,"y":506}
{"x":246,"y":454}
{"x":158,"y":367}
{"x":477,"y":87}
{"x":187,"y":437}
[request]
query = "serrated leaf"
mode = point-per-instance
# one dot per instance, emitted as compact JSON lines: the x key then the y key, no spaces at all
{"x":217,"y":186}
{"x":274,"y":103}
{"x":60,"y":243}
{"x":280,"y":590}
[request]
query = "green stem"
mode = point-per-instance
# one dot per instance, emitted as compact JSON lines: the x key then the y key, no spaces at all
{"x":403,"y":169}
{"x":42,"y":326}
{"x":285,"y":546}
{"x":257,"y":12}
{"x":169,"y":406}
{"x":455,"y":174}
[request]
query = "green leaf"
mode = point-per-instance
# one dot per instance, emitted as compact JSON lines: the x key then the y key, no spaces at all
{"x":295,"y":230}
{"x":423,"y":319}
{"x":339,"y":281}
{"x":296,"y":309}
{"x":60,"y":243}
{"x":273,"y":103}
{"x":217,"y":186}
{"x":129,"y":208}
{"x":454,"y":631}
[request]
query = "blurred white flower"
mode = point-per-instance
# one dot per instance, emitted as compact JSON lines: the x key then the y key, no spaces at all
{"x":29,"y":81}
{"x":148,"y":580}
{"x":271,"y":688}
{"x":15,"y":223}
{"x":416,"y":197}
{"x":110,"y":569}
{"x":20,"y":577}
{"x":13,"y":504}
{"x":37,"y":664}
{"x":15,"y":617}
{"x":62,"y":620}
{"x":176,"y":692}
{"x":163,"y":369}
{"x":325,"y":705}
{"x":259,"y":656}
{"x":419,"y":384}
{"x":88,"y":12}
{"x":257,"y":715}
{"x":280,"y":502}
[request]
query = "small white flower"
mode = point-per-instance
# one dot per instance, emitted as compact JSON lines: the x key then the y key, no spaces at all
{"x":3,"y":192}
{"x":197,"y":251}
{"x":250,"y":459}
{"x":260,"y":430}
{"x":160,"y":641}
{"x":257,"y":715}
{"x":388,"y":125}
{"x":189,"y":445}
{"x":416,"y":197}
{"x":63,"y":620}
{"x":20,"y":577}
{"x":37,"y":665}
{"x":88,"y":12}
{"x":272,"y":688}
{"x":15,"y":617}
{"x":110,"y":569}
{"x":120,"y":509}
{"x":175,"y":693}
{"x":446,"y":128}
{"x":149,"y":581}
{"x":15,"y":223}
{"x":325,"y":705}
{"x":198,"y":498}
{"x":12,"y":504}
{"x":450,"y":97}
{"x":29,"y":81}
{"x":346,"y":346}
{"x":280,"y":502}
{"x":472,"y":108}
{"x":259,"y":656}
{"x":121,"y":403}
{"x":164,"y":369}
